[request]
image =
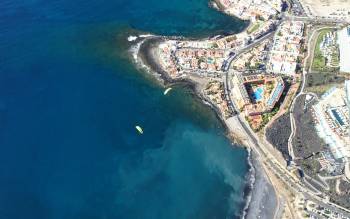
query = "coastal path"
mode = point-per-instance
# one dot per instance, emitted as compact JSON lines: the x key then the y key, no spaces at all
{"x":301,"y":92}
{"x":310,"y":52}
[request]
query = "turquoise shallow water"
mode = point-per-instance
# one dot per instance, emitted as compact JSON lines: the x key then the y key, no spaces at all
{"x":69,"y":103}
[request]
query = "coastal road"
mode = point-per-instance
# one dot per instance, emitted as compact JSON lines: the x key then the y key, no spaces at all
{"x":321,"y":20}
{"x":258,"y":41}
{"x":265,"y":156}
{"x":272,"y":163}
{"x":227,"y":65}
{"x":282,"y":173}
{"x":228,"y":62}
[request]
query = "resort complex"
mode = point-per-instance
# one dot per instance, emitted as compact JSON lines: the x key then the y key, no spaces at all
{"x":282,"y":87}
{"x":332,"y":116}
{"x":256,"y":94}
{"x":329,"y":49}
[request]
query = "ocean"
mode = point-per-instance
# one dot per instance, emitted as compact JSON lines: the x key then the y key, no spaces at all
{"x":70,"y":97}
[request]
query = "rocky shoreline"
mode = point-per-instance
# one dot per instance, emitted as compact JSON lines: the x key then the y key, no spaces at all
{"x":148,"y":58}
{"x":257,"y":187}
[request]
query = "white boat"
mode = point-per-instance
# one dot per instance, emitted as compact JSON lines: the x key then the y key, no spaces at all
{"x":139,"y":129}
{"x":167,"y":90}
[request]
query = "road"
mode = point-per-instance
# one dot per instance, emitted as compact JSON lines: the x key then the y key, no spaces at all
{"x":269,"y":160}
{"x":291,"y":115}
{"x":315,"y":20}
{"x":301,"y":92}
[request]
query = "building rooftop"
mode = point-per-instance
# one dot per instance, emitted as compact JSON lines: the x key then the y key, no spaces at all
{"x":256,"y":94}
{"x":344,"y":48}
{"x":333,"y":122}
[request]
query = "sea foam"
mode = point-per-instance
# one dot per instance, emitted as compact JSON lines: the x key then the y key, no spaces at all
{"x":132,"y":38}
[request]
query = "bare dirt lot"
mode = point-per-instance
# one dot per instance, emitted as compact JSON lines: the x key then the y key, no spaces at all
{"x":306,"y":140}
{"x":278,"y":133}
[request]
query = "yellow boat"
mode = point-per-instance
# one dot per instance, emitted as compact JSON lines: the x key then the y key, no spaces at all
{"x":139,"y":129}
{"x":167,"y":90}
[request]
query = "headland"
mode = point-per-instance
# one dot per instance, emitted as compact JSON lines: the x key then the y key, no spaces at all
{"x":252,"y":80}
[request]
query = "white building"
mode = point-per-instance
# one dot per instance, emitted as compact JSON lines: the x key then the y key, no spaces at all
{"x":344,"y":49}
{"x":333,"y":121}
{"x":347,"y":96}
{"x":286,"y":48}
{"x":347,"y":92}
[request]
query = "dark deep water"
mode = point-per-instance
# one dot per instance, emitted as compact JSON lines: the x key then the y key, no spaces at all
{"x":69,"y":101}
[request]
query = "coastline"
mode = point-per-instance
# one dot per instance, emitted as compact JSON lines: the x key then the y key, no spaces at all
{"x":220,"y":7}
{"x":176,"y":62}
{"x":261,"y":201}
{"x":147,"y":59}
{"x":258,"y":189}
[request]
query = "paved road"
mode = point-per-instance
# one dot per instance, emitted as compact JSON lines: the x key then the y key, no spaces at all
{"x":320,"y":20}
{"x":291,"y":115}
{"x":301,"y":92}
{"x":270,"y":161}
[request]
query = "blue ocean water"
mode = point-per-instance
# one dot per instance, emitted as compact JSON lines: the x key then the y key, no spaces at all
{"x":69,"y":102}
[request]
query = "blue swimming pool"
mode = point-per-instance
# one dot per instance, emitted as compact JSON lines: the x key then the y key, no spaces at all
{"x":276,"y":94}
{"x":258,"y":93}
{"x":337,"y":117}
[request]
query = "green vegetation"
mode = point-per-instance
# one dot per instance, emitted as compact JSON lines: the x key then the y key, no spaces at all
{"x":214,"y":46}
{"x":266,"y":117}
{"x":311,"y":166}
{"x":321,"y":82}
{"x":231,"y":38}
{"x":201,"y":59}
{"x":306,"y":215}
{"x":319,"y":61}
{"x":319,"y":90}
{"x":254,"y":27}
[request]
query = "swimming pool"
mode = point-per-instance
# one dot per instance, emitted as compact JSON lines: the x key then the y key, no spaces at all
{"x":258,"y":93}
{"x":275,"y":94}
{"x":337,"y":117}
